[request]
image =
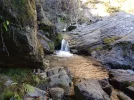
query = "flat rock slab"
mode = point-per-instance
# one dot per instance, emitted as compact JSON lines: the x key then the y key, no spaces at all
{"x":89,"y":90}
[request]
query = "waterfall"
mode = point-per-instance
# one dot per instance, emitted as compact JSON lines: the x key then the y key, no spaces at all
{"x":64,"y":45}
{"x":65,"y":50}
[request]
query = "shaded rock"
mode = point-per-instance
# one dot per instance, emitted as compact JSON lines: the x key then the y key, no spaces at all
{"x":22,"y":47}
{"x":89,"y":90}
{"x":57,"y":93}
{"x":106,"y":86}
{"x":109,"y":40}
{"x":130,"y":91}
{"x":5,"y":81}
{"x":72,"y":27}
{"x":43,"y":22}
{"x":47,"y":44}
{"x":121,"y":78}
{"x":123,"y":96}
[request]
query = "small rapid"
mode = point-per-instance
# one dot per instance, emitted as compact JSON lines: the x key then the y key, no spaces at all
{"x":65,"y":50}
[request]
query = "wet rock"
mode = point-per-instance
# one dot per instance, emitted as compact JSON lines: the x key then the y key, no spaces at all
{"x":106,"y":86}
{"x":89,"y":90}
{"x":121,"y":78}
{"x":57,"y":93}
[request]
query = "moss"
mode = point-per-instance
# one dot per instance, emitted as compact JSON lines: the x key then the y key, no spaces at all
{"x":51,"y":46}
{"x":20,"y":75}
{"x":98,"y":48}
{"x":14,"y":91}
{"x":57,"y":40}
{"x":110,"y":40}
{"x":7,"y":95}
{"x":126,"y":84}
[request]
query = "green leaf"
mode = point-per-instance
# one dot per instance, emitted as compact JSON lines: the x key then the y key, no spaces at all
{"x":7,"y":22}
{"x":28,"y":88}
{"x":5,"y":26}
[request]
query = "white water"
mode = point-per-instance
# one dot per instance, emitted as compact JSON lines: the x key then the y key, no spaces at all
{"x":65,"y":51}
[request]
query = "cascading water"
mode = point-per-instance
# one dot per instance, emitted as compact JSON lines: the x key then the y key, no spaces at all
{"x":64,"y":46}
{"x":65,"y":51}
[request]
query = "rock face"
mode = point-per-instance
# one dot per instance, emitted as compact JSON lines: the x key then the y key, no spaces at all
{"x":123,"y":80}
{"x":19,"y":44}
{"x":110,"y":40}
{"x":89,"y":90}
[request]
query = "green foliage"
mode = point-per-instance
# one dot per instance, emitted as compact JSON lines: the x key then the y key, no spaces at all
{"x":21,"y":75}
{"x":28,"y":88}
{"x":5,"y":23}
{"x":16,"y":91}
{"x":7,"y":95}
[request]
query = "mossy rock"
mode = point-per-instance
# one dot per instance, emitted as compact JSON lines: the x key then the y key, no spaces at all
{"x":51,"y":46}
{"x":20,"y":75}
{"x":57,"y":40}
{"x":98,"y":48}
{"x":110,"y":40}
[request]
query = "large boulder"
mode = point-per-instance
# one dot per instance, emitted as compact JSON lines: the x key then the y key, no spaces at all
{"x":56,"y":77}
{"x":89,"y":90}
{"x":121,"y":78}
{"x":109,"y":40}
{"x":19,"y":46}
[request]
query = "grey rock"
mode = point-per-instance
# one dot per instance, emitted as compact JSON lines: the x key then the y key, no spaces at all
{"x":106,"y":86}
{"x":123,"y":96}
{"x":57,"y":93}
{"x":36,"y":93}
{"x":54,"y":71}
{"x":110,"y":40}
{"x":60,"y":80}
{"x":120,"y":78}
{"x":5,"y":80}
{"x":23,"y":47}
{"x":130,"y":91}
{"x":89,"y":90}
